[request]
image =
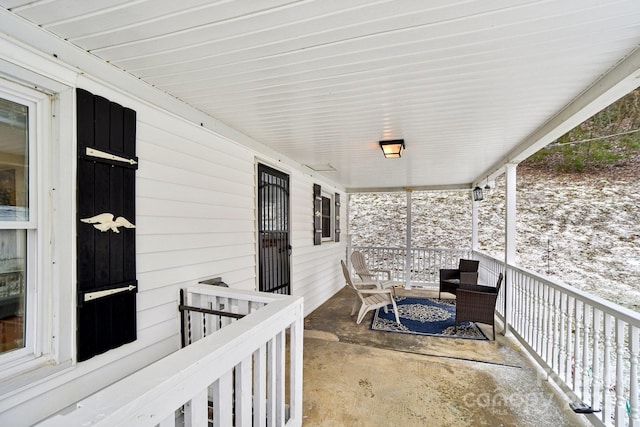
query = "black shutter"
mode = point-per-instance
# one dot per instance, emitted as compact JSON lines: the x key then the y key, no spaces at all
{"x":336,"y":212}
{"x":317,"y":214}
{"x":106,"y":252}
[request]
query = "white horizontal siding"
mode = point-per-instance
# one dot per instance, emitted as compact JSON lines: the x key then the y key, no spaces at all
{"x":156,"y":296}
{"x":195,"y":219}
{"x":167,"y":311}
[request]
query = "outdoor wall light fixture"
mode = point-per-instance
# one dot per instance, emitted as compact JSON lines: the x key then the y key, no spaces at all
{"x":477,"y":194}
{"x":392,"y":149}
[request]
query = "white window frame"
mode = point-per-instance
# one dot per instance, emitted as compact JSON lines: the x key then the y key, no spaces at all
{"x":38,"y":319}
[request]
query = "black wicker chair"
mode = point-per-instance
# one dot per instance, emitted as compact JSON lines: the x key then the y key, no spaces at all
{"x":451,"y":278}
{"x":475,"y":303}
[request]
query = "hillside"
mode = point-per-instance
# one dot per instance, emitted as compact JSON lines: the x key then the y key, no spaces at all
{"x":582,"y":229}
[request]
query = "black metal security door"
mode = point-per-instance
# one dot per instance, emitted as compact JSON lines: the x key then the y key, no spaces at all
{"x":273,"y":231}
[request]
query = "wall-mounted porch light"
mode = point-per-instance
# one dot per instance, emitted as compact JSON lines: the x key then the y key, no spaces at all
{"x":392,"y":149}
{"x":477,"y":194}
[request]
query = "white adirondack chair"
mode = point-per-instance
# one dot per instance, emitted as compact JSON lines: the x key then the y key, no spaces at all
{"x":369,"y":299}
{"x":368,"y":276}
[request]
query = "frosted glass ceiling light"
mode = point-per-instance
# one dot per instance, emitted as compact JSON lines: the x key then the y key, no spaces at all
{"x":392,"y":149}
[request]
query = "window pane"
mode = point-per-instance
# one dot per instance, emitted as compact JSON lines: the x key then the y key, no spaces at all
{"x":14,"y":158}
{"x":326,"y":217}
{"x":13,"y":250}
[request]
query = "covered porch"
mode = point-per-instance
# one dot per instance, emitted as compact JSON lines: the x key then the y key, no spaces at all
{"x":217,"y":92}
{"x":356,"y":376}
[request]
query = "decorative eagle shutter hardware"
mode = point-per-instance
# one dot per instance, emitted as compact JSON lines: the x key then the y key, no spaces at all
{"x":104,"y":222}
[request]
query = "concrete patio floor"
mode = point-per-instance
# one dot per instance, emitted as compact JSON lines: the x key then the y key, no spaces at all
{"x":357,"y":377}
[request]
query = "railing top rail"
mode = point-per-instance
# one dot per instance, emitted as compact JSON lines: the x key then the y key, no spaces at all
{"x":623,"y":313}
{"x":221,"y":291}
{"x":145,"y":397}
{"x":413,"y":249}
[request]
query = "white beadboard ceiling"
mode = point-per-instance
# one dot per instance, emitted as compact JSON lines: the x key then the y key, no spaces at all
{"x":468,"y":84}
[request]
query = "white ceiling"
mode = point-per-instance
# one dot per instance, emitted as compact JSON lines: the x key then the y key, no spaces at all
{"x":467,"y":84}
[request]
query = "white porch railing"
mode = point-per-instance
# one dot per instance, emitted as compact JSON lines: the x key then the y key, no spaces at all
{"x":425,"y":264}
{"x":587,"y":345}
{"x":236,"y":372}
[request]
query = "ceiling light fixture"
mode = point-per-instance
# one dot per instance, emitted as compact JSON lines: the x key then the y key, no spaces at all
{"x":392,"y":149}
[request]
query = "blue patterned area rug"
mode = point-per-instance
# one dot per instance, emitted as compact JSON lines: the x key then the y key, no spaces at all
{"x":425,"y":316}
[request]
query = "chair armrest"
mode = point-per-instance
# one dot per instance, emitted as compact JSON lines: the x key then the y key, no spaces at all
{"x":386,"y":272}
{"x":366,"y":277}
{"x":478,"y":288}
{"x":385,"y":284}
{"x":375,"y":291}
{"x":366,"y":285}
{"x":467,"y":298}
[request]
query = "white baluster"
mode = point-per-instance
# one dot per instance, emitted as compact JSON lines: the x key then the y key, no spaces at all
{"x":260,"y":387}
{"x":519,"y":310}
{"x":432,"y":269}
{"x":596,"y":381}
{"x":607,"y":395}
{"x":621,"y":403}
{"x":544,"y":318}
{"x":296,"y":367}
{"x":222,"y":390}
{"x":280,"y":379}
{"x":564,"y":320}
{"x":577,"y":366}
{"x":586,"y":365}
{"x":548,"y":335}
{"x":570,"y":317}
{"x":527,"y":303}
{"x":243,"y":392}
{"x":530,"y":311}
{"x":538,"y":317}
{"x":634,"y":338}
{"x":195,"y":411}
{"x":271,"y":383}
{"x":555,"y":333}
{"x":545,"y":314}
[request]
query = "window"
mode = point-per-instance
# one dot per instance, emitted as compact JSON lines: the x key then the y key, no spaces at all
{"x":327,"y":216}
{"x":14,"y":223}
{"x":18,"y":222}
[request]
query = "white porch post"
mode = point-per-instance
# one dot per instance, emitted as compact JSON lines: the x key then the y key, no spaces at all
{"x":510,"y":237}
{"x":407,"y":262}
{"x":348,"y":231}
{"x":474,"y":225}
